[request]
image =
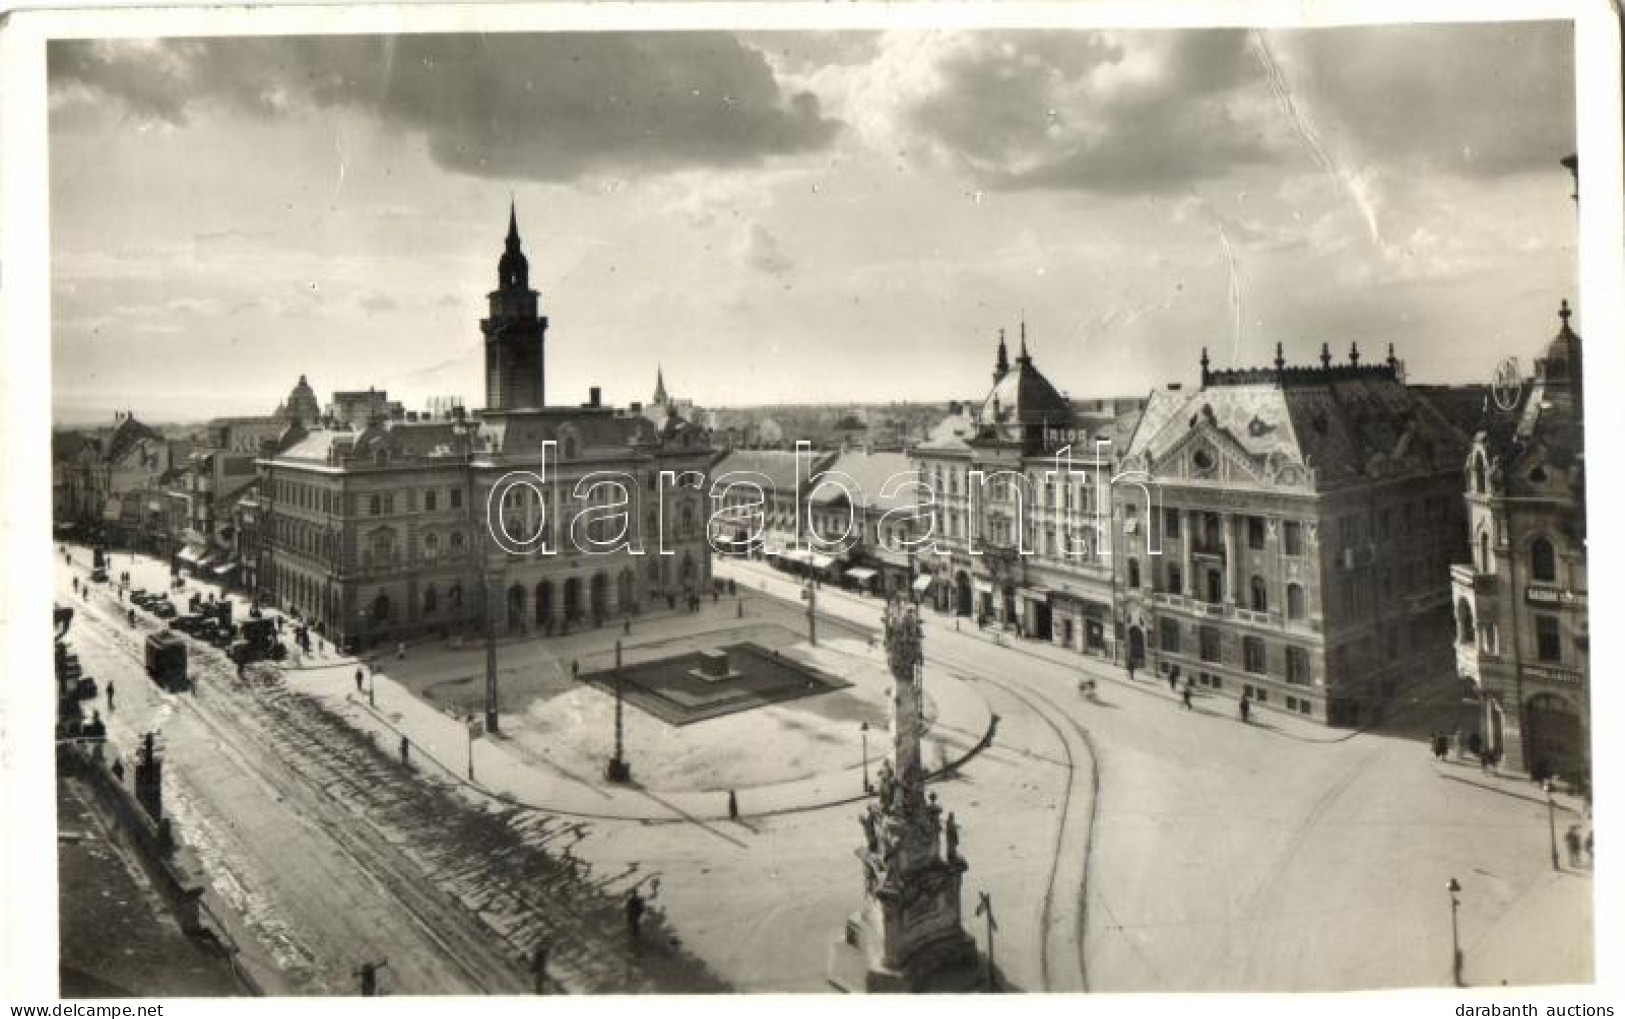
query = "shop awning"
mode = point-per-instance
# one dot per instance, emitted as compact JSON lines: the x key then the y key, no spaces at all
{"x":820,"y":560}
{"x":984,"y":586}
{"x":190,"y":555}
{"x":772,"y":553}
{"x":921,"y":583}
{"x":1032,"y":595}
{"x":225,"y":568}
{"x":861,"y":574}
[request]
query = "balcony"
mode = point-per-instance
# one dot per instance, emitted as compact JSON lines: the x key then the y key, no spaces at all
{"x":1464,"y":577}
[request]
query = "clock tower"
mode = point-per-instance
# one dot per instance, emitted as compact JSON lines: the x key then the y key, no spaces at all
{"x":515,"y":335}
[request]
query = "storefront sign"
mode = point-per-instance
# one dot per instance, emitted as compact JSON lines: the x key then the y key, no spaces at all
{"x":1547,"y":674}
{"x":1552,"y":596}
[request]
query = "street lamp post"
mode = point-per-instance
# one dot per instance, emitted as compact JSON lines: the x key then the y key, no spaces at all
{"x":1454,"y":888}
{"x":812,"y":612}
{"x":618,"y":770}
{"x":863,"y":731}
{"x":1551,"y":820}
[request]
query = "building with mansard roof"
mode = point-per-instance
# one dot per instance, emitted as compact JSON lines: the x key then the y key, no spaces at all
{"x":1522,"y":628}
{"x":1016,"y":529}
{"x":1281,"y":534}
{"x":391,"y":528}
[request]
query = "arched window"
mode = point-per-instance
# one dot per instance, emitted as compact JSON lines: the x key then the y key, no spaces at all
{"x":1484,"y":558}
{"x":1133,"y":573}
{"x":1260,"y":597}
{"x":1294,"y":601}
{"x":1542,"y":560}
{"x":431,"y":547}
{"x":1464,"y":622}
{"x":1478,"y":473}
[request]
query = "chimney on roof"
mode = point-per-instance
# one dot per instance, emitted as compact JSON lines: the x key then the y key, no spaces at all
{"x":594,"y":397}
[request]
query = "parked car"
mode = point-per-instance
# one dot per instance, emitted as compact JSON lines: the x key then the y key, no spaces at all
{"x":99,"y":575}
{"x":163,"y":609}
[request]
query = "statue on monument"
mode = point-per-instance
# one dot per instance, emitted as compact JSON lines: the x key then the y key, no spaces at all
{"x":907,"y":934}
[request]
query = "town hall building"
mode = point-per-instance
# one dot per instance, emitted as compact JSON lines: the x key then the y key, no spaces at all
{"x":556,"y":516}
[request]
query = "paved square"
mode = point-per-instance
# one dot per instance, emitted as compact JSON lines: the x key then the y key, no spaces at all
{"x":697,"y":685}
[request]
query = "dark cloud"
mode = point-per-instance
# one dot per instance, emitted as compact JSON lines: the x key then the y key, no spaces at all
{"x":1476,"y":100}
{"x":1149,"y":112}
{"x":545,"y":107}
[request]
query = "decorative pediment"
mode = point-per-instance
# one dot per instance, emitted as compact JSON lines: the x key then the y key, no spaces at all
{"x":1210,"y":453}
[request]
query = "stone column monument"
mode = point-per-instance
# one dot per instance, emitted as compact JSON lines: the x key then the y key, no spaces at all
{"x":907,"y":934}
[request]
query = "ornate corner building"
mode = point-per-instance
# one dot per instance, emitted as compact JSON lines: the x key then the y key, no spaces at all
{"x":385,"y":530}
{"x":1019,"y":536}
{"x":1283,"y":534}
{"x":1521,"y":625}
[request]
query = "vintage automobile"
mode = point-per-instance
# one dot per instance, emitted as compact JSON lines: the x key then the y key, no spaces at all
{"x":163,"y":609}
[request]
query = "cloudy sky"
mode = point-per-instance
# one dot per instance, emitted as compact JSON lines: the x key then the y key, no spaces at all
{"x":800,"y":216}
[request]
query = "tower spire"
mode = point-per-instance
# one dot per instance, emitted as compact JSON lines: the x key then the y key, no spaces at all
{"x":660,"y":384}
{"x":1024,"y":355}
{"x":513,"y":223}
{"x":1001,"y":366}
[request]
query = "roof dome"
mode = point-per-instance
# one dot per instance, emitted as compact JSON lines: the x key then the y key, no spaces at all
{"x":1561,"y":364}
{"x":1023,"y":396}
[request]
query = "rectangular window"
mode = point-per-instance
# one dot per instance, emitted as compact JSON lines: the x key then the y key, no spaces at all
{"x":389,"y":504}
{"x":1176,"y":579}
{"x":1292,"y":704}
{"x":1252,"y":650}
{"x":1210,"y":644}
{"x":1548,"y":639}
{"x":1303,"y":707}
{"x":1255,"y":533}
{"x":1169,"y":630}
{"x":1297,"y":666}
{"x":376,"y":506}
{"x":1170,"y":523}
{"x":430,"y":500}
{"x":1292,"y":537}
{"x":456,"y":498}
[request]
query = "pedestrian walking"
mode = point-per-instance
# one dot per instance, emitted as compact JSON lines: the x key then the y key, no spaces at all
{"x":1591,"y":857}
{"x":1572,"y":840}
{"x":358,"y":681}
{"x":400,"y":651}
{"x":733,"y":806}
{"x":1173,"y":683}
{"x":110,"y":697}
{"x":1186,"y":698}
{"x":634,"y":915}
{"x":741,"y":613}
{"x":406,"y":747}
{"x":626,"y":627}
{"x":1246,"y":706}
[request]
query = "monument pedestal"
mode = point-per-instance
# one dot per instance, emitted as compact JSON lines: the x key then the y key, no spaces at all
{"x":906,"y":937}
